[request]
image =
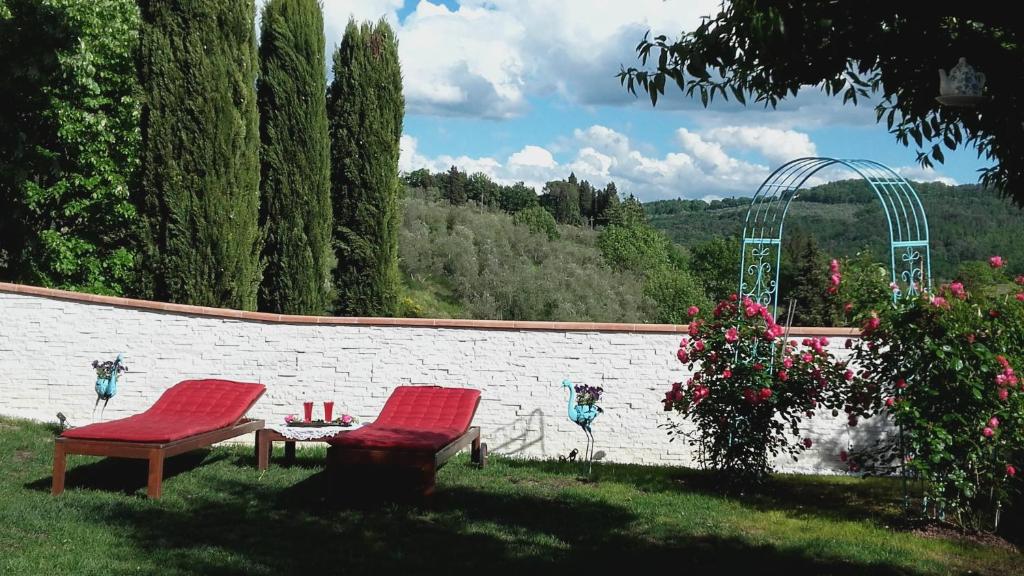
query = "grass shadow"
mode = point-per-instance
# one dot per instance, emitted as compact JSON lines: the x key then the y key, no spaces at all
{"x":125,"y":475}
{"x":462,"y":529}
{"x":838,"y":498}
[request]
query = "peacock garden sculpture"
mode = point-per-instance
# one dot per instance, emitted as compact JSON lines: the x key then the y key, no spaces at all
{"x":106,"y":380}
{"x":583,"y":409}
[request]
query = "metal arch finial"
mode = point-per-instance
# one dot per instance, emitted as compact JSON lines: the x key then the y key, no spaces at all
{"x":761,"y":249}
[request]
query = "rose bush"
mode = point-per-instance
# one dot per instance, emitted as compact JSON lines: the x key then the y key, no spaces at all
{"x":751,"y":389}
{"x":943,"y":367}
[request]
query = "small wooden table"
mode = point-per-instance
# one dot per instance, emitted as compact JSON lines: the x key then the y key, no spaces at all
{"x":266,"y":437}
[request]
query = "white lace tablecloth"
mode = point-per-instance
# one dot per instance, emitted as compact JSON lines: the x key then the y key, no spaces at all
{"x":311,"y":433}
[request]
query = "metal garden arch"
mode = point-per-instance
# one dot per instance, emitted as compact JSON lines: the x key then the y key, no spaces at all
{"x":760,"y":253}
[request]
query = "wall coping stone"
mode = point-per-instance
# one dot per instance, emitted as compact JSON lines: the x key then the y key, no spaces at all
{"x":186,"y":309}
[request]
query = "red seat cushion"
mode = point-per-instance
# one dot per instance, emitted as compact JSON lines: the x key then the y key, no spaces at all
{"x":419,"y":418}
{"x":186,"y":409}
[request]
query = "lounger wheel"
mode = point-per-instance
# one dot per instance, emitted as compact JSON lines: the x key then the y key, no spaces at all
{"x":481,"y":460}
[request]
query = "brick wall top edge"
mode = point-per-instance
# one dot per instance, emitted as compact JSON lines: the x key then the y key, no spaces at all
{"x":185,"y":309}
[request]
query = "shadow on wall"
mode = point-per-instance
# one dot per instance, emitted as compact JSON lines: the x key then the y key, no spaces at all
{"x":520,"y":435}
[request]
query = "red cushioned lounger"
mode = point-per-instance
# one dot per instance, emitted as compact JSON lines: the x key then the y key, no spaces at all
{"x":420,"y":427}
{"x":189,"y":415}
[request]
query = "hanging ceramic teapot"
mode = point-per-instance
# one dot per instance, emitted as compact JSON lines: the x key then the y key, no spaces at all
{"x":962,"y":80}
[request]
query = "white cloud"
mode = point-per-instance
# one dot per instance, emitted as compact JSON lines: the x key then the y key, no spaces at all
{"x":703,"y":164}
{"x":920,"y":174}
{"x":532,"y":156}
{"x":778,"y":146}
{"x":486,"y":58}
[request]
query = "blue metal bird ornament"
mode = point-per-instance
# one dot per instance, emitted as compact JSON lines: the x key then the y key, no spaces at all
{"x":583,"y":415}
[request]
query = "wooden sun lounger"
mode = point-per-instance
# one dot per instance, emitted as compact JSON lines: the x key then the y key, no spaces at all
{"x":190,"y":415}
{"x":413,"y":442}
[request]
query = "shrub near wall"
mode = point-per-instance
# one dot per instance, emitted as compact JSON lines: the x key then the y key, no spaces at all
{"x":943,"y":365}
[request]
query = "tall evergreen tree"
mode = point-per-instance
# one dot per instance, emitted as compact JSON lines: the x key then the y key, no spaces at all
{"x":605,"y":204}
{"x":455,"y":186}
{"x":365,"y":108}
{"x":199,"y":192}
{"x":803,"y":279}
{"x":295,"y":206}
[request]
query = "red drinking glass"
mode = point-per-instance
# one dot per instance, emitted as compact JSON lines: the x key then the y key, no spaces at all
{"x":308,"y":407}
{"x":328,"y":410}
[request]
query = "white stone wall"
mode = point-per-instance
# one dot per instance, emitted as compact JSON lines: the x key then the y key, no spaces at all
{"x":47,"y":346}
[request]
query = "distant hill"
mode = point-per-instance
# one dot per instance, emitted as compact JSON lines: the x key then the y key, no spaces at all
{"x":966,"y":222}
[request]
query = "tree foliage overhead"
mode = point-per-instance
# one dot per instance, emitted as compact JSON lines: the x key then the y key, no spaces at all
{"x":69,"y":141}
{"x":365,"y":110}
{"x":768,"y":49}
{"x":295,"y":207}
{"x":199,"y":189}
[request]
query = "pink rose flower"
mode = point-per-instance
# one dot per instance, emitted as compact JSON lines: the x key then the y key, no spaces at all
{"x":939,"y":302}
{"x":806,"y":357}
{"x":346,"y":419}
{"x":848,"y":307}
{"x":750,"y":396}
{"x":732,"y":335}
{"x":833,"y":266}
{"x":783,"y":375}
{"x":787,"y":362}
{"x":758,"y":366}
{"x":727,"y":373}
{"x":901,"y":383}
{"x":1019,"y":279}
{"x":750,"y":311}
{"x":1020,"y":296}
{"x":1010,"y":470}
{"x":693,"y":310}
{"x":765,"y":393}
{"x":993,"y":422}
{"x":684,"y":342}
{"x":996,"y":261}
{"x":957,"y":288}
{"x":890,"y":402}
{"x":993,"y":313}
{"x":848,"y":375}
{"x":699,"y":345}
{"x":987,"y":432}
{"x":682,"y":355}
{"x":1004,"y":394}
{"x":290,"y":418}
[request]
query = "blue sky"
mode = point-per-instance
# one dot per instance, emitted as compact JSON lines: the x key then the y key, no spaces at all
{"x":526,"y":90}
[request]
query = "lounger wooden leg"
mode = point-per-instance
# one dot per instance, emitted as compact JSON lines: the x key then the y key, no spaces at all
{"x":263,"y":447}
{"x":428,"y":479}
{"x":289,"y":452}
{"x":59,"y":465}
{"x":154,"y":486}
{"x":475,"y":451}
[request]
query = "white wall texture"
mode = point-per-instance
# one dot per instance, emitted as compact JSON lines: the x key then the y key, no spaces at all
{"x":47,"y":346}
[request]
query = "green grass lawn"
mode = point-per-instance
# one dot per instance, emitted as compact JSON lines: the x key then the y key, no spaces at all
{"x":219,"y":515}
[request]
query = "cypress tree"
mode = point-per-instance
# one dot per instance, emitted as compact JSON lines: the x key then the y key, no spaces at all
{"x":199,"y":189}
{"x":365,"y":108}
{"x":295,"y":203}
